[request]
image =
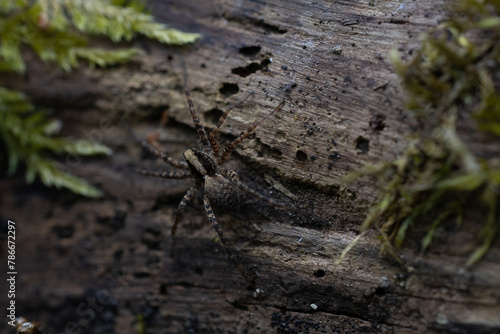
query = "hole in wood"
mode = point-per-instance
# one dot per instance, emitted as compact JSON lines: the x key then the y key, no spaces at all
{"x":363,"y":145}
{"x":247,"y":70}
{"x":229,"y":89}
{"x":250,"y":51}
{"x":377,"y":122}
{"x":301,"y":156}
{"x":213,"y":115}
{"x":319,"y":273}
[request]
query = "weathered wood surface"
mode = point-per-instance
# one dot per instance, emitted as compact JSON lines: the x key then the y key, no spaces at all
{"x":97,"y":266}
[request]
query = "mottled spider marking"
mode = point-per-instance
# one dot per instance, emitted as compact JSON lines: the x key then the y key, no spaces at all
{"x":211,"y":137}
{"x":188,"y":196}
{"x":166,"y":175}
{"x":222,"y":193}
{"x":231,"y":175}
{"x":197,"y":124}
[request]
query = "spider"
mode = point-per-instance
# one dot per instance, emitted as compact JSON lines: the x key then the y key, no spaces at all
{"x":219,"y":185}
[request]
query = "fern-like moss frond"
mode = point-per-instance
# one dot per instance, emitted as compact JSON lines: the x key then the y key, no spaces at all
{"x":28,"y":137}
{"x":58,"y":30}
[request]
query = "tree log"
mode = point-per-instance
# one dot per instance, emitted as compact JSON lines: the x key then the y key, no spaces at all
{"x":111,"y":266}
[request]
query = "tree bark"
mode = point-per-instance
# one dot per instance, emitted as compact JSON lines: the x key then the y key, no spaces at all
{"x":111,"y":266}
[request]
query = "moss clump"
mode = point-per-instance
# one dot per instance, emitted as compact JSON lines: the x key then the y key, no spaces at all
{"x":58,"y":31}
{"x":453,"y":88}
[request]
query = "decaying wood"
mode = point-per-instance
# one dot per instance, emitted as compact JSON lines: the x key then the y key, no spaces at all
{"x":109,"y":265}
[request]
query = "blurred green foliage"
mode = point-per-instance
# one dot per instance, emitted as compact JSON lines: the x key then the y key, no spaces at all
{"x":452,"y":83}
{"x":58,"y":31}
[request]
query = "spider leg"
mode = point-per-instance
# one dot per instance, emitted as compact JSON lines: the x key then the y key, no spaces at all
{"x":188,"y":196}
{"x":166,"y":175}
{"x":230,"y":174}
{"x":229,"y":148}
{"x":234,"y":178}
{"x":153,"y":141}
{"x":269,"y":201}
{"x":211,"y":136}
{"x":164,"y":156}
{"x":213,"y":221}
{"x":197,"y":124}
{"x":154,"y":151}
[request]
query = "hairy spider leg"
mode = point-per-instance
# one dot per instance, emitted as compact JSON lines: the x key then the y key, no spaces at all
{"x":213,"y":221}
{"x":233,"y":177}
{"x":230,"y":147}
{"x":197,"y":124}
{"x":265,"y":198}
{"x":153,"y":141}
{"x":154,"y":151}
{"x":166,"y":175}
{"x":188,"y":196}
{"x":230,"y":174}
{"x":211,"y":136}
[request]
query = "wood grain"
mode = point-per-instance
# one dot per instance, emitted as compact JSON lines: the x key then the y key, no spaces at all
{"x":100,"y":266}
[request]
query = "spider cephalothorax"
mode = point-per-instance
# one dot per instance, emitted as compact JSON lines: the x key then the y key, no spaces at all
{"x":219,"y":185}
{"x":221,"y":189}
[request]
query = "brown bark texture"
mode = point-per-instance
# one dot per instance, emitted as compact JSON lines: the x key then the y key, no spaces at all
{"x":110,"y":265}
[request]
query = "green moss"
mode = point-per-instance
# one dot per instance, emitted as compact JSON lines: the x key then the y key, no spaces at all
{"x":58,"y":31}
{"x":140,"y":325}
{"x":452,"y":84}
{"x":28,"y":136}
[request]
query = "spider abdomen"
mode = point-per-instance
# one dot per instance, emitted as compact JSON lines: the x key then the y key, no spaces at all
{"x":222,"y":193}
